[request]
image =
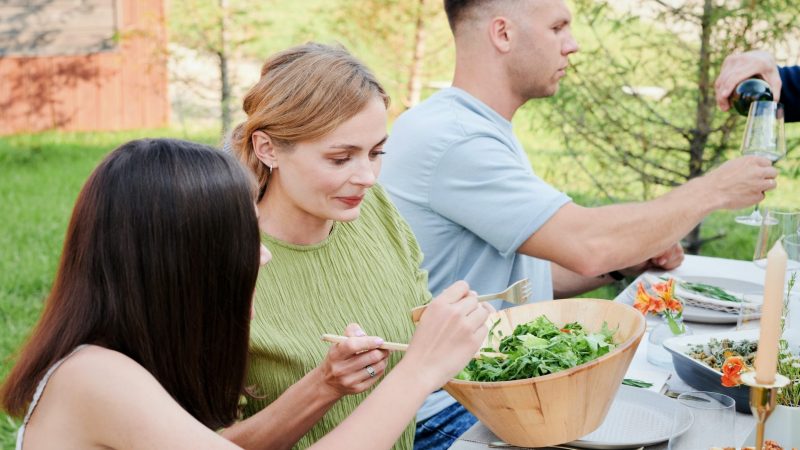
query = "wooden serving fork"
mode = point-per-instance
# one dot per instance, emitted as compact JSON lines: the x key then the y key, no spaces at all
{"x":395,"y":346}
{"x":517,"y":294}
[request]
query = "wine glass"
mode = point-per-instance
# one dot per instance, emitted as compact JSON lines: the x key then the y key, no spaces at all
{"x":712,"y":422}
{"x":783,"y":225}
{"x":763,"y":136}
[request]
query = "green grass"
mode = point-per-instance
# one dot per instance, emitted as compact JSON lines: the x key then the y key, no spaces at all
{"x":40,"y":177}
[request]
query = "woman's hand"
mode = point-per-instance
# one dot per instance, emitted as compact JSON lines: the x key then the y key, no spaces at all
{"x":448,"y":334}
{"x":344,"y":369}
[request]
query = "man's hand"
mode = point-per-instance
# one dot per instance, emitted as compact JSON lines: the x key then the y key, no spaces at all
{"x":741,"y":66}
{"x":738,"y":183}
{"x":670,"y":259}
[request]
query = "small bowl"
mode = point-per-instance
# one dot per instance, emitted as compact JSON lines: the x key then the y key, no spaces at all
{"x":563,"y":406}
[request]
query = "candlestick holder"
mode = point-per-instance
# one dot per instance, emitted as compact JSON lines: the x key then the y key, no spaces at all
{"x":763,"y":398}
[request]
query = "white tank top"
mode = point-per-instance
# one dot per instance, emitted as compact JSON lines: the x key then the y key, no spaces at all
{"x":38,"y":394}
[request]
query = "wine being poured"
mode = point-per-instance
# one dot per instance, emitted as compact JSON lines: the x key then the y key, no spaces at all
{"x":749,"y":91}
{"x":763,"y":136}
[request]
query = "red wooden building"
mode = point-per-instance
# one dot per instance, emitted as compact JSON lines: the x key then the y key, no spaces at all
{"x":82,"y":65}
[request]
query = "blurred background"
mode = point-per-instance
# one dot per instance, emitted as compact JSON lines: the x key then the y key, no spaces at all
{"x":634,"y":117}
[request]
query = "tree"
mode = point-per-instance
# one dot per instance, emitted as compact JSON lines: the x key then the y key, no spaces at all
{"x":393,"y":37}
{"x":222,"y":28}
{"x":639,"y":105}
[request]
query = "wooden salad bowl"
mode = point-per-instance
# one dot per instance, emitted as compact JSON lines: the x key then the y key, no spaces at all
{"x":563,"y":406}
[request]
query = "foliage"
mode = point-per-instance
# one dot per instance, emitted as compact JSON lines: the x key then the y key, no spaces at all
{"x":638,"y":111}
{"x":385,"y":33}
{"x":221,"y":28}
{"x":539,"y":347}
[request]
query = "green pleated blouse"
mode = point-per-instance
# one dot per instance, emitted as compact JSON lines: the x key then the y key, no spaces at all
{"x":366,"y":271}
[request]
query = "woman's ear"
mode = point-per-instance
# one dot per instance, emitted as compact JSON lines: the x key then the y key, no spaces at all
{"x":264,"y":148}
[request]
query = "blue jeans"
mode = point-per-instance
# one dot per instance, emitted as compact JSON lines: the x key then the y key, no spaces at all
{"x":440,"y":431}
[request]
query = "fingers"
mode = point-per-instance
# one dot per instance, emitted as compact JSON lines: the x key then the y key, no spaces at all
{"x":354,"y":329}
{"x":774,"y":80}
{"x":355,"y":364}
{"x":729,"y":77}
{"x":741,"y":66}
{"x":360,"y":378}
{"x":344,"y":366}
{"x":377,"y":371}
{"x":356,"y":344}
{"x":453,"y":293}
{"x":488,"y":307}
{"x":771,"y":184}
{"x":670,"y":259}
{"x":723,"y":88}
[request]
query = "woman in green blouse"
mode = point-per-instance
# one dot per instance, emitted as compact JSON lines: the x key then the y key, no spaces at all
{"x":314,"y":134}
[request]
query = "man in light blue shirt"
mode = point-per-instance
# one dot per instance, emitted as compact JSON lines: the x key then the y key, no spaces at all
{"x":463,"y":182}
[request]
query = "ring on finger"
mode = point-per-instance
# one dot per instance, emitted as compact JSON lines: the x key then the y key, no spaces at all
{"x":371,"y":371}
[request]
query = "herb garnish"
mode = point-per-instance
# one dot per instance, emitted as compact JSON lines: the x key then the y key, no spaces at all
{"x":539,"y":348}
{"x":709,"y":291}
{"x":636,"y":383}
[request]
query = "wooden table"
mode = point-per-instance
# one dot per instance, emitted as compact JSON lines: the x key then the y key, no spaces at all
{"x":479,"y":437}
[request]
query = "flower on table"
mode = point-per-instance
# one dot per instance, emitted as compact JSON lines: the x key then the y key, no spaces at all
{"x":666,"y":291}
{"x":647,"y":303}
{"x":732,"y":370}
{"x":663,"y":302}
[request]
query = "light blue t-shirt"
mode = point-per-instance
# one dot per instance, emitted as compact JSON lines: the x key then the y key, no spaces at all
{"x":463,"y":182}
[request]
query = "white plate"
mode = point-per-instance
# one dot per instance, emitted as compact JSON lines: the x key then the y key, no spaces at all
{"x":637,"y":417}
{"x":702,"y":315}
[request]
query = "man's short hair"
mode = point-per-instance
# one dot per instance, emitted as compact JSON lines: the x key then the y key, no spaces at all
{"x":460,"y":11}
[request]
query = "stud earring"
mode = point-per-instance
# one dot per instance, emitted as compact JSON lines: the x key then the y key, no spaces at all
{"x":269,"y":166}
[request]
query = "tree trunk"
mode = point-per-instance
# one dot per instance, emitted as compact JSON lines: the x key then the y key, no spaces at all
{"x":705,"y":105}
{"x":415,"y":72}
{"x":692,"y":242}
{"x":224,"y":76}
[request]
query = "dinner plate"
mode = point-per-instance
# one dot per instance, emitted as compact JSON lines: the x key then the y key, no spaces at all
{"x":703,"y":315}
{"x":638,"y":417}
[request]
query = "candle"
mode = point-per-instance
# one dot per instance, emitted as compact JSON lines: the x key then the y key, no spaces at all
{"x":767,"y":356}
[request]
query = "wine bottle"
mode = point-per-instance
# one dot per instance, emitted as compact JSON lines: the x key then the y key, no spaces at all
{"x":749,"y":91}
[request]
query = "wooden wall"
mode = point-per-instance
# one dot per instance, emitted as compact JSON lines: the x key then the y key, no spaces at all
{"x":94,"y":65}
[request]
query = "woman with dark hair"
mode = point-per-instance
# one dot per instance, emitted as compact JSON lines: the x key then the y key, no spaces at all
{"x":143,"y":340}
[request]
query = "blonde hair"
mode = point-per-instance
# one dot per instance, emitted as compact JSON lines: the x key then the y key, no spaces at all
{"x":304,"y":93}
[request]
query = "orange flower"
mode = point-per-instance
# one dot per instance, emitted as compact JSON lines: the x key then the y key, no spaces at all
{"x":646,"y":303}
{"x":642,"y":300}
{"x":666,"y":291}
{"x":732,"y":370}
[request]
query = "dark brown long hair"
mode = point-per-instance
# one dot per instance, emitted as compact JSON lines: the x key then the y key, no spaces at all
{"x":159,"y":263}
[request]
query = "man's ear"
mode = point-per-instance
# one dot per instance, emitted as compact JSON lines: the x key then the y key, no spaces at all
{"x":500,"y":34}
{"x":264,"y":148}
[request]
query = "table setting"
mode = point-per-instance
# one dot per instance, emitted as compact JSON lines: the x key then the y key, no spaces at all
{"x":669,"y":402}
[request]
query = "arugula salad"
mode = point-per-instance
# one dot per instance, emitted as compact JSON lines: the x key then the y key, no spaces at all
{"x":539,"y":348}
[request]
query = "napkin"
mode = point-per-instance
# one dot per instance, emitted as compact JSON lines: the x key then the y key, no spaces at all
{"x":658,"y":378}
{"x":693,"y":298}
